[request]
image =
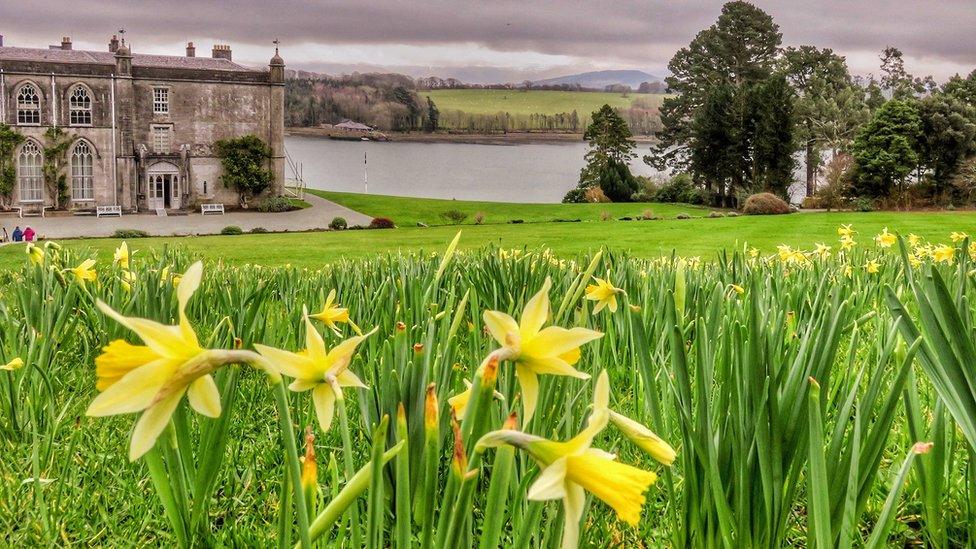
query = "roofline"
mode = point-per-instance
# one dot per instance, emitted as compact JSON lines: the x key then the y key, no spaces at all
{"x":237,"y":67}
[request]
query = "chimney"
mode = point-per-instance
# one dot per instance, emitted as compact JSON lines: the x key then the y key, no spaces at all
{"x":191,"y":50}
{"x":221,"y":51}
{"x":65,"y":42}
{"x":113,"y":44}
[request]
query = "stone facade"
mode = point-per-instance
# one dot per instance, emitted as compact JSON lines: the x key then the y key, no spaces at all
{"x":142,"y":127}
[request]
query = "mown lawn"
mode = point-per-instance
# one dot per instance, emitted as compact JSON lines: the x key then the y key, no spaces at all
{"x":407,"y":212}
{"x":700,"y":236}
{"x":531,"y":101}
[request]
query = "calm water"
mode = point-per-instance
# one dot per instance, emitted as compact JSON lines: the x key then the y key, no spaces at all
{"x":506,"y":173}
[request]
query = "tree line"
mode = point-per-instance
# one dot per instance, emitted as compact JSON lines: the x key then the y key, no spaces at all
{"x":388,"y":102}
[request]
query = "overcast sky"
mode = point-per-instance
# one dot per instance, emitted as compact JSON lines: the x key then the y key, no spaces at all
{"x":495,"y":40}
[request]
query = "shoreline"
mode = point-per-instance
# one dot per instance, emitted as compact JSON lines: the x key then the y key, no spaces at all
{"x":511,"y":138}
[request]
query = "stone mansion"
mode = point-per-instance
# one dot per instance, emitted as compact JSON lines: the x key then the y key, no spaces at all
{"x":142,"y":127}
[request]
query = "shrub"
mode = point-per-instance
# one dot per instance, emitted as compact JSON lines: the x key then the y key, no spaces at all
{"x":680,"y":188}
{"x":479,"y":218}
{"x":810,"y":203}
{"x":275,"y":204}
{"x":595,"y":195}
{"x":231,"y":230}
{"x":576,"y":195}
{"x":381,"y":223}
{"x":517,"y":221}
{"x":765,"y":204}
{"x":129,"y":234}
{"x":732,"y":214}
{"x":682,"y":216}
{"x":647,"y":214}
{"x":863,"y":204}
{"x":605,"y":215}
{"x":838,"y":175}
{"x":259,"y":230}
{"x":714,"y":215}
{"x":338,"y":223}
{"x":454,"y":217}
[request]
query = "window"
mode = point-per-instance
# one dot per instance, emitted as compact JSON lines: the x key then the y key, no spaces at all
{"x":29,"y":173}
{"x":161,"y":100}
{"x":80,"y":107}
{"x":82,"y":184}
{"x":28,"y":105}
{"x":161,"y":139}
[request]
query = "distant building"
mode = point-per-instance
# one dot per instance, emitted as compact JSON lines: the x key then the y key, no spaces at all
{"x":353,"y":126}
{"x":142,"y":126}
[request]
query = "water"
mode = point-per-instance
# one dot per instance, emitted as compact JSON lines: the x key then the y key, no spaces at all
{"x":537,"y":172}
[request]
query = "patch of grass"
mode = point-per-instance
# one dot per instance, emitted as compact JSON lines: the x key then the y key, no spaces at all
{"x":406,"y":211}
{"x":700,"y":236}
{"x":531,"y":101}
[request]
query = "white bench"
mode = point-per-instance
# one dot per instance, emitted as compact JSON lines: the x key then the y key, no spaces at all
{"x":108,"y":210}
{"x":217,"y":209}
{"x":31,"y":210}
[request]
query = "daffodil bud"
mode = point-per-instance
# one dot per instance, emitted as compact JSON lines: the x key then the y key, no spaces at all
{"x":13,"y":365}
{"x":459,"y":463}
{"x":644,"y":438}
{"x":310,"y":470}
{"x":431,"y":409}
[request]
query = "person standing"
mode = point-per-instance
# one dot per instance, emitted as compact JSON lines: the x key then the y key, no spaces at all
{"x":18,"y":234}
{"x":4,"y":237}
{"x":29,"y":234}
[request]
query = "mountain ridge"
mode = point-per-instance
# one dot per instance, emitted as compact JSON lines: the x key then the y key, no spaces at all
{"x":601,"y":79}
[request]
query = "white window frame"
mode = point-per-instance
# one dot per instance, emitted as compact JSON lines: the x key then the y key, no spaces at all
{"x":82,"y":173}
{"x":27,"y":107}
{"x":30,"y":176}
{"x":80,"y":107}
{"x":161,"y":138}
{"x":160,"y":99}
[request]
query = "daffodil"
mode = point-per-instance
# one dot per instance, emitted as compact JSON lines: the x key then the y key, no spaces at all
{"x":753,"y":252}
{"x":153,"y":378}
{"x":323,"y":371}
{"x":35,"y":254}
{"x":121,"y":257}
{"x":604,"y":293}
{"x":735,"y":289}
{"x":884,"y":239}
{"x":459,"y":402}
{"x":914,"y":239}
{"x":845,"y":230}
{"x":872,"y":266}
{"x":332,"y":314}
{"x":572,"y":468}
{"x":822,"y":251}
{"x":537,"y":350}
{"x":84,"y":272}
{"x":944,"y":253}
{"x":958,"y":236}
{"x":12,"y":365}
{"x":847,"y":242}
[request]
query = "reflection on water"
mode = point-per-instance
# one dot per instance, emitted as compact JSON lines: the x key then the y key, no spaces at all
{"x":538,"y":172}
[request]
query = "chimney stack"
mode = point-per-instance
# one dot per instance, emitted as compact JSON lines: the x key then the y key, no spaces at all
{"x":221,"y":51}
{"x":113,"y":44}
{"x":65,"y":42}
{"x":191,"y":50}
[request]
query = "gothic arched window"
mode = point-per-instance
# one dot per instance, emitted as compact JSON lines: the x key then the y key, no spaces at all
{"x":29,"y":175}
{"x":80,"y":107}
{"x":28,"y":105}
{"x":82,"y":162}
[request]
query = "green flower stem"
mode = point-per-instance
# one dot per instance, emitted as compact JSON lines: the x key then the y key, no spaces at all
{"x":357,"y":484}
{"x":291,"y":451}
{"x":357,"y":539}
{"x":160,"y":480}
{"x":462,"y":506}
{"x":402,"y":471}
{"x":501,"y":475}
{"x":375,"y":507}
{"x":431,"y":461}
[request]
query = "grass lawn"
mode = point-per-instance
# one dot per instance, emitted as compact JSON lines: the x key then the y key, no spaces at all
{"x":407,"y":212}
{"x":531,"y":101}
{"x":700,"y":236}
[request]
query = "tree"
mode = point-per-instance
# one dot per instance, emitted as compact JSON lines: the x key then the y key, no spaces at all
{"x":948,"y":136}
{"x":772,"y":127}
{"x":886,"y":149}
{"x":739,"y":50}
{"x":962,"y":89}
{"x":610,"y":150}
{"x":433,"y":116}
{"x":56,"y":143}
{"x":713,"y":158}
{"x":823,"y":85}
{"x":245,"y":163}
{"x":9,"y":141}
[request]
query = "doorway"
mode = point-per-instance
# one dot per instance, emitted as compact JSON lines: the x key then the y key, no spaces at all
{"x":163,"y":187}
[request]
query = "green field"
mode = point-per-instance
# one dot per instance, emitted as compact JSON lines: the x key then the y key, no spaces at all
{"x":700,"y":236}
{"x":524,"y":102}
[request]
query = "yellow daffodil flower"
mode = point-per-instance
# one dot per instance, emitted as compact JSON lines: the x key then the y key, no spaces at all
{"x":35,"y":254}
{"x":872,"y":266}
{"x":944,"y":253}
{"x":753,"y":252}
{"x":459,"y":402}
{"x":885,"y":239}
{"x":332,"y":315}
{"x":735,"y":289}
{"x":572,"y":468}
{"x":848,"y":271}
{"x":153,"y":378}
{"x":822,"y":251}
{"x":84,"y":272}
{"x":537,"y":350}
{"x":604,"y":293}
{"x":644,"y":438}
{"x":914,"y":239}
{"x":972,"y":250}
{"x":847,"y":242}
{"x":12,"y":365}
{"x":845,"y":230}
{"x":121,"y":257}
{"x":958,"y":236}
{"x":323,"y":371}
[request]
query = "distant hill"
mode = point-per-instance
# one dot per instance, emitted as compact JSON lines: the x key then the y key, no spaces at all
{"x":597,"y":80}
